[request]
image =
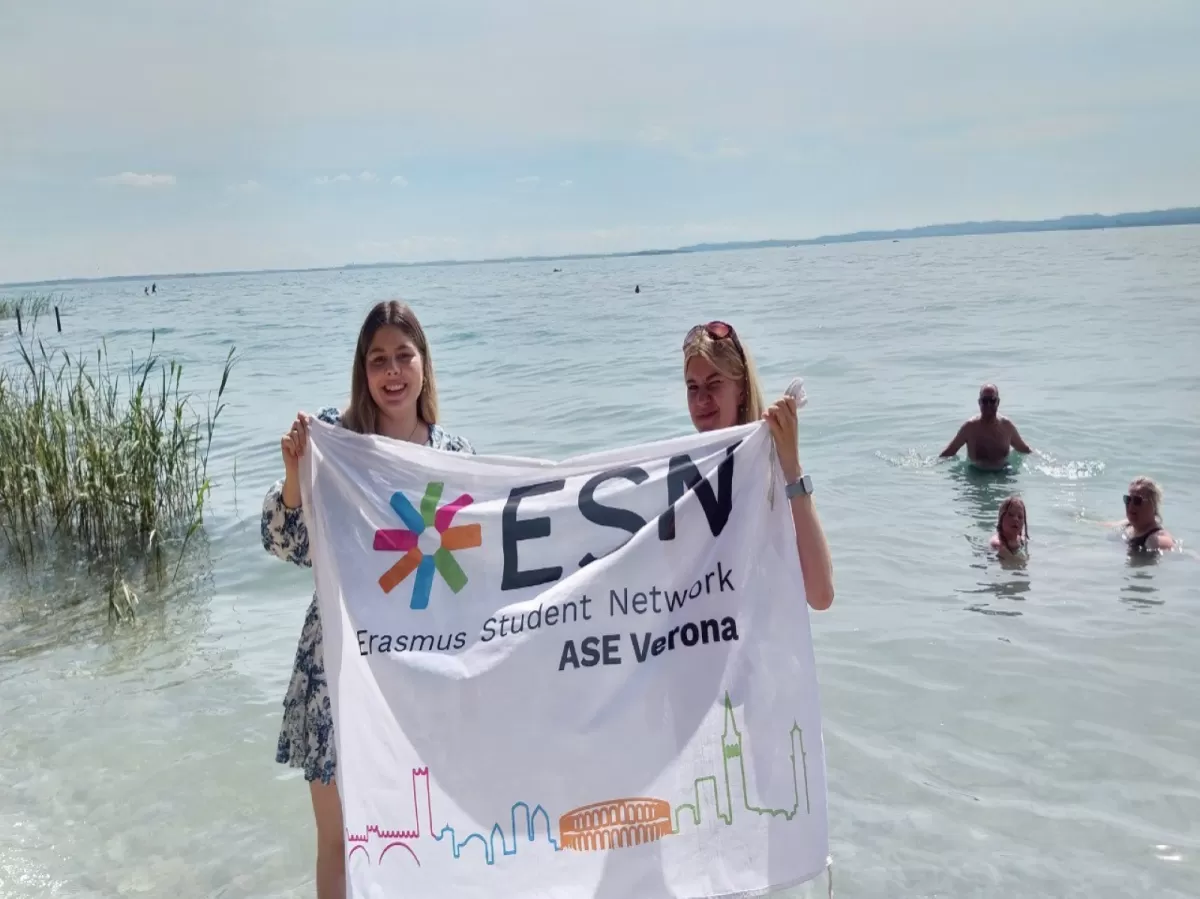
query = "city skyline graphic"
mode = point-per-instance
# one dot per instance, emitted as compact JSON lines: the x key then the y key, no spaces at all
{"x":497,"y":836}
{"x":452,"y":538}
{"x":386,"y":840}
{"x":733,"y":749}
{"x":599,"y":826}
{"x":375,"y":842}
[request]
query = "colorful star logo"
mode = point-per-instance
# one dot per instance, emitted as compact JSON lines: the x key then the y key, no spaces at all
{"x":465,"y":536}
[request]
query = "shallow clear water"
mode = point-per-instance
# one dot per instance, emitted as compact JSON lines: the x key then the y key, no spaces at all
{"x":990,"y":732}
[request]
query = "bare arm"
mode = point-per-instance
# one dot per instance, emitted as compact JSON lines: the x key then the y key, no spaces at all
{"x":291,"y":490}
{"x":957,"y":443}
{"x":816,"y":563}
{"x":1164,"y":541}
{"x":1018,"y":443}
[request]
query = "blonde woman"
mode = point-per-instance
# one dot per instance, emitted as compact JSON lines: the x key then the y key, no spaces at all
{"x":1142,"y":528}
{"x":723,"y":392}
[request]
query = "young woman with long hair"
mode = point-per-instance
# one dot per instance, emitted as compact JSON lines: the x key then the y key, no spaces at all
{"x":393,"y":394}
{"x":722,"y":392}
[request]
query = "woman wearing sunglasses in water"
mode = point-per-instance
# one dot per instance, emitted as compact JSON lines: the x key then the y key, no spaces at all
{"x":1142,"y":527}
{"x":722,"y":392}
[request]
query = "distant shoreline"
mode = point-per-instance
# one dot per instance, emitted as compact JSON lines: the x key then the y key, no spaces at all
{"x":1158,"y":218}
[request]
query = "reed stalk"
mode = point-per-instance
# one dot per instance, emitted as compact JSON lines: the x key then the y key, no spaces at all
{"x":112,"y":468}
{"x":29,"y":306}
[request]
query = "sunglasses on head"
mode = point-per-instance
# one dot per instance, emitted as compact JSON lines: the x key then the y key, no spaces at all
{"x":717,"y":330}
{"x":1133,"y":500}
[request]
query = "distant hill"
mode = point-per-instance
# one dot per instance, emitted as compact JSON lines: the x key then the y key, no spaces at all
{"x":1183,"y":216}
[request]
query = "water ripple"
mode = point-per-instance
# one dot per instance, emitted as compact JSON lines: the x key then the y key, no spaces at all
{"x":1041,"y":745}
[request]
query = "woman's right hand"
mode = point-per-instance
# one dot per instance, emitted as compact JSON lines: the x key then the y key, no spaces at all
{"x":294,"y":444}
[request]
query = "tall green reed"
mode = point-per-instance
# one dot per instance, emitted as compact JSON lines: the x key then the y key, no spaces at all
{"x":111,"y":468}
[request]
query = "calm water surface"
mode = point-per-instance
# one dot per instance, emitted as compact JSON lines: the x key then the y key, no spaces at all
{"x":990,"y":732}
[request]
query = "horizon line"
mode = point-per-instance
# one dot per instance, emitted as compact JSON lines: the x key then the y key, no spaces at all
{"x":1179,"y":215}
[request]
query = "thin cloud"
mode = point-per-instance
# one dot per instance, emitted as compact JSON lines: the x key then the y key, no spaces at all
{"x":566,"y":183}
{"x":399,"y":181}
{"x":364,"y":177}
{"x":621,"y":96}
{"x":135,"y":179}
{"x":529,"y":179}
{"x":619,"y":78}
{"x":246,"y":187}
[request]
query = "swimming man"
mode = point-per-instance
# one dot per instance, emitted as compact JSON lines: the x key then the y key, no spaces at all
{"x":989,"y":437}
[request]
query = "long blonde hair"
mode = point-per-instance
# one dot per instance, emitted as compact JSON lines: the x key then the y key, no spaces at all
{"x":362,"y":415}
{"x":729,"y":356}
{"x":1009,"y":503}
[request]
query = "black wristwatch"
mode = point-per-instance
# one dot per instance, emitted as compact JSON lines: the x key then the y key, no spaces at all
{"x":802,"y":486}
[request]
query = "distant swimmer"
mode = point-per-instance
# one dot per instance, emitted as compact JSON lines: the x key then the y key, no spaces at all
{"x":637,"y":288}
{"x":1012,"y":528}
{"x":989,"y":437}
{"x":1142,"y":527}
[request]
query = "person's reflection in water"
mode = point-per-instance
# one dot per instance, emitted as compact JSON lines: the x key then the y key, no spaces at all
{"x":983,"y":491}
{"x":1011,"y":584}
{"x":1138,"y":589}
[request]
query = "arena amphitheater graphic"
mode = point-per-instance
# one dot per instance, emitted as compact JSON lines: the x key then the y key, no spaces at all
{"x":615,"y":824}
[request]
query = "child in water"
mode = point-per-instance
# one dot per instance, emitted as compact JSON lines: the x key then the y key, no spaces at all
{"x":1012,"y":528}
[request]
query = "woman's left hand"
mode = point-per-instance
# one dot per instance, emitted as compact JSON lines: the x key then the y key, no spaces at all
{"x":781,"y":418}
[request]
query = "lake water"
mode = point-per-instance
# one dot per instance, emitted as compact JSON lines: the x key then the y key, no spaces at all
{"x":989,"y":732}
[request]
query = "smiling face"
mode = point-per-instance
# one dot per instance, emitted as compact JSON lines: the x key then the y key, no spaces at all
{"x":394,"y":372}
{"x":1012,"y":521}
{"x":392,"y":375}
{"x":713,"y":397}
{"x":722,"y":385}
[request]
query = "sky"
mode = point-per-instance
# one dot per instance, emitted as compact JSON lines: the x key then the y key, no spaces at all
{"x":138,"y":136}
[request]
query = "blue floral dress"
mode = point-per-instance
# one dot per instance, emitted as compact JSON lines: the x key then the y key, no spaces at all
{"x":306,"y":738}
